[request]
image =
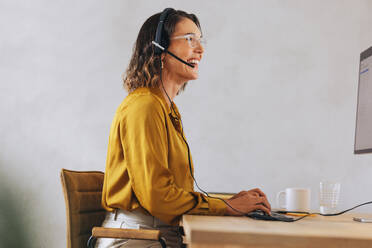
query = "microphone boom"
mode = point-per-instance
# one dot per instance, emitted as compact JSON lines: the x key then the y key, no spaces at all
{"x":172,"y":54}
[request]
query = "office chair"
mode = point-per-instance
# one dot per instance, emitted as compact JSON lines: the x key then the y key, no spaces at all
{"x":83,"y":191}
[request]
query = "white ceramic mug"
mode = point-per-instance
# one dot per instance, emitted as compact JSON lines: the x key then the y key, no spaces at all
{"x":295,"y":199}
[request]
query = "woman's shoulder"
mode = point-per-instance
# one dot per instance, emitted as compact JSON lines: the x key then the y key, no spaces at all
{"x":142,"y":101}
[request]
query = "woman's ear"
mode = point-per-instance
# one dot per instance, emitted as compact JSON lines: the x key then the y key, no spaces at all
{"x":162,"y":58}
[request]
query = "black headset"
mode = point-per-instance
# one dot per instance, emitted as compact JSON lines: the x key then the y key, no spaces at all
{"x":159,"y":38}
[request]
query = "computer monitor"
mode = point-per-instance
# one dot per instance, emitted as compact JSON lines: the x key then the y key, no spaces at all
{"x":363,"y":129}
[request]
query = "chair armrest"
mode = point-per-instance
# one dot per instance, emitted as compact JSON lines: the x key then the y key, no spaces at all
{"x":120,"y":233}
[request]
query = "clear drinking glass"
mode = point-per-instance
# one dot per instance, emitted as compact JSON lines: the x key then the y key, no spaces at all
{"x":329,"y":194}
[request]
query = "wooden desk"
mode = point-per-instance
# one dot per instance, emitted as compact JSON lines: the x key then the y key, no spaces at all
{"x":236,"y":232}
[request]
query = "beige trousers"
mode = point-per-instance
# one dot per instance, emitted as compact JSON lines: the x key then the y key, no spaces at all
{"x":138,"y":220}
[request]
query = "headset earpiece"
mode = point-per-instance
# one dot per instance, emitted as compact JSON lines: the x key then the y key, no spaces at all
{"x":159,"y":36}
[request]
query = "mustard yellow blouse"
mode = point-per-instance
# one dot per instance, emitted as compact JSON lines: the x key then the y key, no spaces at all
{"x":147,"y":162}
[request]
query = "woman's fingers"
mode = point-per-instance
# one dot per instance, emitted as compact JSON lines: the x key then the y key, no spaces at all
{"x":263,"y":208}
{"x":247,"y":201}
{"x":255,"y":193}
{"x":263,"y":201}
{"x":260,"y":197}
{"x":260,"y":192}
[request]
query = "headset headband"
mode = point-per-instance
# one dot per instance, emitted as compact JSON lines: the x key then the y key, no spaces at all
{"x":159,"y":30}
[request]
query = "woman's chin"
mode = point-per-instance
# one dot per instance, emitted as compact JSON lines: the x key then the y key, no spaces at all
{"x":193,"y":76}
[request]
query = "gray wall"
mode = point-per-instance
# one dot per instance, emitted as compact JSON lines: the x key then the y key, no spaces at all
{"x":274,"y":106}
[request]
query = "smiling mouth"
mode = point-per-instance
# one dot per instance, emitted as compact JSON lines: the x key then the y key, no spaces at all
{"x":193,"y":62}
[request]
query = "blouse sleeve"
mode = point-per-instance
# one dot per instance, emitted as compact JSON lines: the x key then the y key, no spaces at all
{"x":144,"y":140}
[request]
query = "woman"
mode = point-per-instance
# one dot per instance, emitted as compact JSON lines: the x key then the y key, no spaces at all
{"x":149,"y":172}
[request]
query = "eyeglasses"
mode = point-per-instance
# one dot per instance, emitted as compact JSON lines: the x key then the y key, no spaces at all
{"x":192,"y":39}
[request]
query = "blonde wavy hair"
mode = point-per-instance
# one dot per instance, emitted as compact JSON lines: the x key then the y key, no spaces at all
{"x":144,"y":68}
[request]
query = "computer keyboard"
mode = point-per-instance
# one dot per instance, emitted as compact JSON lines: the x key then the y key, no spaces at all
{"x":260,"y":215}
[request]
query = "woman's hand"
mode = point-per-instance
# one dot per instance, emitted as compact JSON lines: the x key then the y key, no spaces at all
{"x":248,"y":201}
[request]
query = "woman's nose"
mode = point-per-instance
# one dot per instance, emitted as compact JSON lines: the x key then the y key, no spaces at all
{"x":199,"y":48}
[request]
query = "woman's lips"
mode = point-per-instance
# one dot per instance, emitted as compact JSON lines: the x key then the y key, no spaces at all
{"x":193,"y":62}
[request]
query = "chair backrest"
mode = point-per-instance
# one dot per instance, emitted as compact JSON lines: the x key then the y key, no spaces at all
{"x":82,"y":191}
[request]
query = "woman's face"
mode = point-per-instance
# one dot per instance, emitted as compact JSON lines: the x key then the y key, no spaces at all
{"x":183,"y":49}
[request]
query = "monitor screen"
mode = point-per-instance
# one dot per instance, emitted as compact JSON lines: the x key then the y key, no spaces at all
{"x":363,"y":130}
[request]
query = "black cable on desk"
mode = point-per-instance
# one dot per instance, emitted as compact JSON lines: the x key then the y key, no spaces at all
{"x":339,"y":213}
